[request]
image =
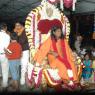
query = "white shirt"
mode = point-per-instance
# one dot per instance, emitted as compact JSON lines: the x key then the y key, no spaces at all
{"x":4,"y":41}
{"x":83,"y":52}
{"x":93,"y":53}
{"x":77,"y":45}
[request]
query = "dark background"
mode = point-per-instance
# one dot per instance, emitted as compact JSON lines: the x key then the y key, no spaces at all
{"x":82,"y":24}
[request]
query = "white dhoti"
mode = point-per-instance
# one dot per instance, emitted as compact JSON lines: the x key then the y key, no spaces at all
{"x":24,"y":64}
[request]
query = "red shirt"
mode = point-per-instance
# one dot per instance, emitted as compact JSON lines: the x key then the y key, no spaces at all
{"x":16,"y":50}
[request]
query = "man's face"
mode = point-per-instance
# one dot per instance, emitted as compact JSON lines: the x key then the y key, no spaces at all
{"x":79,"y":38}
{"x":18,"y":26}
{"x":6,"y":29}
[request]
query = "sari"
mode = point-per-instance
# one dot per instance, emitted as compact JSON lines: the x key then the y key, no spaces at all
{"x":67,"y":69}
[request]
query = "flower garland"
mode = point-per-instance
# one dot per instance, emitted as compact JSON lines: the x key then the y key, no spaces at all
{"x":35,"y":38}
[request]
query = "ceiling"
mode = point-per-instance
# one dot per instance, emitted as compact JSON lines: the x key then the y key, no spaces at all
{"x":12,"y":10}
{"x":83,"y":6}
{"x":17,"y":10}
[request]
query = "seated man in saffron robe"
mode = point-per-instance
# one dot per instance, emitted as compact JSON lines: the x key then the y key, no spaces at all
{"x":59,"y":54}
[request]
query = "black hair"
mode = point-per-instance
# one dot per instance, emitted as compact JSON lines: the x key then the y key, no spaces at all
{"x":87,"y":53}
{"x":14,"y":36}
{"x":53,"y":29}
{"x":21,"y":23}
{"x":3,"y":26}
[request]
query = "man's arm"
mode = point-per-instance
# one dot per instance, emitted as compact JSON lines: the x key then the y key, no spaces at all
{"x":7,"y":41}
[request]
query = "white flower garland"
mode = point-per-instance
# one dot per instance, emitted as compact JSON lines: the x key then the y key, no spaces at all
{"x":43,"y":15}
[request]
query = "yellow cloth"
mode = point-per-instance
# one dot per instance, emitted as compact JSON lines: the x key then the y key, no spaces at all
{"x":93,"y":65}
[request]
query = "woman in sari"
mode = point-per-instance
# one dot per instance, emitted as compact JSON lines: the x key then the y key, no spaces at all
{"x":60,"y":57}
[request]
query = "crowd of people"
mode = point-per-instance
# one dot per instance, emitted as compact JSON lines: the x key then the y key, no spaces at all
{"x":87,"y":54}
{"x":14,"y":56}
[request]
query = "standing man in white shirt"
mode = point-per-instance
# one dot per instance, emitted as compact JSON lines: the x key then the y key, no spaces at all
{"x":78,"y":43}
{"x":4,"y":42}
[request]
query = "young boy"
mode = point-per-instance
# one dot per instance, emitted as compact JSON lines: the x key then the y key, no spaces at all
{"x":13,"y":53}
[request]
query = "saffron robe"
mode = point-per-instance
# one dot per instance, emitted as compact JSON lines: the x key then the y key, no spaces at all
{"x":54,"y":62}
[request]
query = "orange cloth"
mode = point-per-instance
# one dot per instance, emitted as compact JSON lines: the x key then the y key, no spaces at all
{"x":53,"y":61}
{"x":16,"y":50}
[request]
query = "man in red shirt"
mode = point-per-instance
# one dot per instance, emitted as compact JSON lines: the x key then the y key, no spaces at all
{"x":13,"y":53}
